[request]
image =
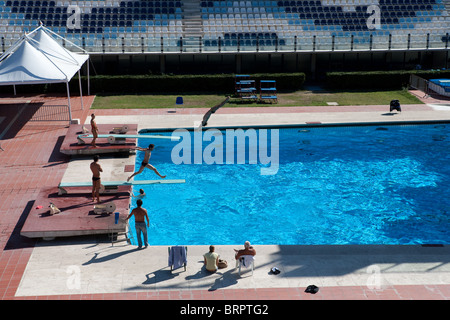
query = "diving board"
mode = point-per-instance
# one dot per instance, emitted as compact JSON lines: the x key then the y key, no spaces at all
{"x":120,"y":138}
{"x":115,"y":184}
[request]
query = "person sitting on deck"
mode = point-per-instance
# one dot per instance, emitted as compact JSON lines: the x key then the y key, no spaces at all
{"x":211,"y":260}
{"x":248,"y":250}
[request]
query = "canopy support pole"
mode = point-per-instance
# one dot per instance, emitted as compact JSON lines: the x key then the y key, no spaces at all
{"x":81,"y":91}
{"x":68,"y":98}
{"x":88,"y":79}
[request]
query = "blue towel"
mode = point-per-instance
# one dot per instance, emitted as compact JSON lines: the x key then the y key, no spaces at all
{"x":177,"y":256}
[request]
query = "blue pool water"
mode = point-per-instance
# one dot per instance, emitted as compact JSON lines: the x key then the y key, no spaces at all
{"x":336,"y":185}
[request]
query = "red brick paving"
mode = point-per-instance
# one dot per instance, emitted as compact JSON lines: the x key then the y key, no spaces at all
{"x":32,"y":161}
{"x":77,"y":217}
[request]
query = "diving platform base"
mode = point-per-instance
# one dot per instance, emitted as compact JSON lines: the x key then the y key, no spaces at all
{"x":77,"y":216}
{"x":70,"y":145}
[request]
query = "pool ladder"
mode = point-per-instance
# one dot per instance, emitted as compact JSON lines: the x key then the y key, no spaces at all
{"x":114,"y":235}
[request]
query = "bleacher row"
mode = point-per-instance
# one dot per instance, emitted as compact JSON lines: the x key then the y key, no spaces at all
{"x":295,"y":23}
{"x":232,"y":25}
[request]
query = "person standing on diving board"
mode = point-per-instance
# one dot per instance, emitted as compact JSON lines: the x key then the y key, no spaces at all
{"x":94,"y":129}
{"x":145,"y":164}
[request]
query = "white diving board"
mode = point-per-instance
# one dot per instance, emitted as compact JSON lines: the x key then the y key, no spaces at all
{"x":63,"y":185}
{"x":120,"y":138}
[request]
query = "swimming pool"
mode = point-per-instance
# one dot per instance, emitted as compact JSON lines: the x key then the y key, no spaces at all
{"x":334,"y":185}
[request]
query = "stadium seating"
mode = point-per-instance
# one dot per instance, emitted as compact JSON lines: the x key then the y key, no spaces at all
{"x":224,"y":25}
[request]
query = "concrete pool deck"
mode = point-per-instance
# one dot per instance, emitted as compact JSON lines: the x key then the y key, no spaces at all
{"x":91,"y":268}
{"x":87,"y":267}
{"x":277,"y":116}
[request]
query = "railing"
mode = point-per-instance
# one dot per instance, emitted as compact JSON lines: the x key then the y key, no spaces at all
{"x":114,"y":234}
{"x":52,"y":113}
{"x":257,"y":43}
{"x":419,"y":84}
{"x":264,"y":43}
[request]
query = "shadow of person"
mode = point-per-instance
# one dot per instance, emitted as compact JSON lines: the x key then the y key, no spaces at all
{"x":223,"y":279}
{"x":96,"y":259}
{"x":226,"y":279}
{"x":160,"y":275}
{"x":200,"y":273}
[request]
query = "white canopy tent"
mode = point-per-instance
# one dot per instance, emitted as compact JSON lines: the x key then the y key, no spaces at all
{"x":38,"y":58}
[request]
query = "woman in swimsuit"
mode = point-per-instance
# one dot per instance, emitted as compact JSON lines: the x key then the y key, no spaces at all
{"x":145,"y":164}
